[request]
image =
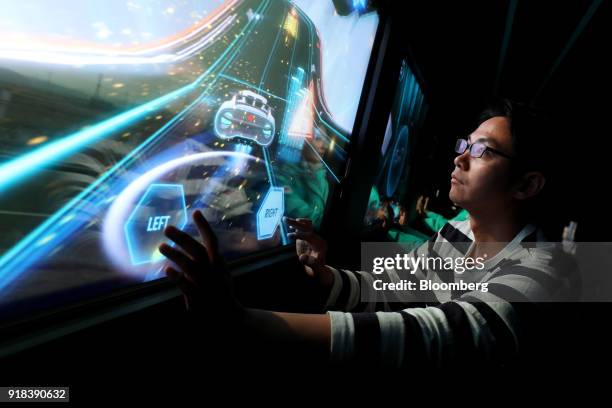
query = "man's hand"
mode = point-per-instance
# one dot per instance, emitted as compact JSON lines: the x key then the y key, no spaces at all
{"x":201,"y":273}
{"x":311,"y":250}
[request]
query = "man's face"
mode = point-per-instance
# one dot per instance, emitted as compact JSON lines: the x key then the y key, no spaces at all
{"x":483,"y":182}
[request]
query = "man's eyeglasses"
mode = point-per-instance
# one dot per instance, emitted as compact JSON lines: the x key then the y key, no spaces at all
{"x":477,"y":149}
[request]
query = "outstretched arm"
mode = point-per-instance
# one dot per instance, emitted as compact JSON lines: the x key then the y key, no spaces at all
{"x":201,"y":275}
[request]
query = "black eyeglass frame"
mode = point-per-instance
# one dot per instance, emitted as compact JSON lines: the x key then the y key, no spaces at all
{"x":469,"y":146}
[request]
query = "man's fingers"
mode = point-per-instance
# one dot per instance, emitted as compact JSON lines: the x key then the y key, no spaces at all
{"x":208,"y":235}
{"x":179,"y":279}
{"x":304,"y":221}
{"x":186,"y":264}
{"x":308,"y":260}
{"x":301,"y":224}
{"x":313,"y":262}
{"x":172,"y":274}
{"x":188,"y":244}
{"x":306,"y":236}
{"x":309,"y":271}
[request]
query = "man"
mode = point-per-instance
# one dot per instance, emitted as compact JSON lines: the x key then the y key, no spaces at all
{"x":498,"y":176}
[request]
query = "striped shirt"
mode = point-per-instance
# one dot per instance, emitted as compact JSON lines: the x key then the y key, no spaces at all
{"x":487,"y":327}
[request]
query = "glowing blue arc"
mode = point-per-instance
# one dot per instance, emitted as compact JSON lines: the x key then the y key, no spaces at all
{"x":122,"y":205}
{"x":18,"y":168}
{"x":18,"y":258}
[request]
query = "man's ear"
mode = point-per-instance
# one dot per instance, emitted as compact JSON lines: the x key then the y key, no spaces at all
{"x":531,"y":184}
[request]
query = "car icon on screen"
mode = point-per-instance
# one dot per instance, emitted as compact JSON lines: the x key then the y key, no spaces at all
{"x":246,"y":116}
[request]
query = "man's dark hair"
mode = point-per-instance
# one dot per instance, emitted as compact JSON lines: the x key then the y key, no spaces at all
{"x":532,"y":132}
{"x":535,"y":141}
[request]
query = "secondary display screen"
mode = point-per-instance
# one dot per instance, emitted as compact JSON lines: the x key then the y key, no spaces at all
{"x":118,"y":118}
{"x":388,"y":208}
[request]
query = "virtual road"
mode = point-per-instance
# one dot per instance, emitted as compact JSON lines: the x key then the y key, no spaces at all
{"x":53,"y":201}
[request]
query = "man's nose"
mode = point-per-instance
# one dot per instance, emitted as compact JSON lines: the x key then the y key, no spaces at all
{"x":463,"y":160}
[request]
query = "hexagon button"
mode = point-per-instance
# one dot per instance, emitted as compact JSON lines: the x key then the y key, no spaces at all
{"x":270,"y":213}
{"x":161,"y":205}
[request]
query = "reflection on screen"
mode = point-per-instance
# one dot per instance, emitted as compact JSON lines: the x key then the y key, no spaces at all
{"x":120,"y":118}
{"x":387,"y":198}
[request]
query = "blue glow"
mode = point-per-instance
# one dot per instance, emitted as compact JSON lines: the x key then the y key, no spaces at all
{"x":359,"y":5}
{"x":24,"y":254}
{"x":20,"y":167}
{"x":157,"y":222}
{"x":73,"y":215}
{"x":294,"y":96}
{"x":269,"y":167}
{"x":272,"y":178}
{"x":225,"y":122}
{"x":398,"y":161}
{"x":143,"y":247}
{"x":124,"y":203}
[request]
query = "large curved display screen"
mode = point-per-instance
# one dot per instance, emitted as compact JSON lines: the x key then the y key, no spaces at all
{"x":118,"y":118}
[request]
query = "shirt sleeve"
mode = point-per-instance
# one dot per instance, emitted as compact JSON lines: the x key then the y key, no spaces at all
{"x":350,"y":287}
{"x":478,"y":327}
